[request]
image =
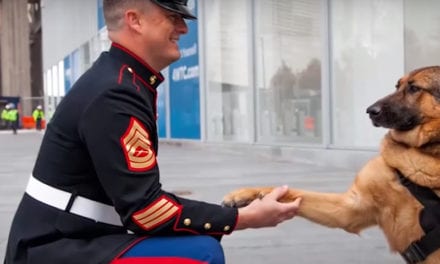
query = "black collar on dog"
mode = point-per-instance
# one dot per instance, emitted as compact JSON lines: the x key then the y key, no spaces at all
{"x":419,"y":250}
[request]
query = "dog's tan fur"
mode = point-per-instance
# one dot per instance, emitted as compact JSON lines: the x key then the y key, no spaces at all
{"x":376,"y":196}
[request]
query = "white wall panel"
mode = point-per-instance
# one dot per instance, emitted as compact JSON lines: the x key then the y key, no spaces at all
{"x":66,"y":25}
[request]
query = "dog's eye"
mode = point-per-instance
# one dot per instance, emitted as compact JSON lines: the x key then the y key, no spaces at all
{"x":413,"y":89}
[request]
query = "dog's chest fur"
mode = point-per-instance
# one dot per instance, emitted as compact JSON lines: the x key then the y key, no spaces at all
{"x":420,"y":165}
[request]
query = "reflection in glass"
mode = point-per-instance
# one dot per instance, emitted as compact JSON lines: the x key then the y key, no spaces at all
{"x":367,"y":49}
{"x":228,"y":92}
{"x":288,"y":44}
{"x":422,"y":33}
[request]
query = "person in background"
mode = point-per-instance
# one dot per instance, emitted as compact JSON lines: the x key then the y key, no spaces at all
{"x":13,"y":118}
{"x":4,"y":117}
{"x":95,"y":194}
{"x":38,"y":116}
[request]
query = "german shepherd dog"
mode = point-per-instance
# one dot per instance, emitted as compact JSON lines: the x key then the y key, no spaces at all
{"x":379,"y":195}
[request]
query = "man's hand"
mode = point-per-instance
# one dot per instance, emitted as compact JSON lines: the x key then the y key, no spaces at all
{"x":267,"y":212}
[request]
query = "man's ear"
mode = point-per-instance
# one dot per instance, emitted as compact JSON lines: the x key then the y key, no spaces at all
{"x":133,"y":19}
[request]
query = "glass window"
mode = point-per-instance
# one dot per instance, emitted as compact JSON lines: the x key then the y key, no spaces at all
{"x":422,"y":33}
{"x":85,"y":57}
{"x":98,"y":44}
{"x":288,"y":44}
{"x":61,"y":81}
{"x":55,"y":84}
{"x":228,"y":93}
{"x":366,"y":62}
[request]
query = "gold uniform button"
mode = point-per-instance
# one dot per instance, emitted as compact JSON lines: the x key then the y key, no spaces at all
{"x":130,"y":70}
{"x":153,"y":79}
{"x":207,"y":226}
{"x":187,"y":222}
{"x":226,"y":228}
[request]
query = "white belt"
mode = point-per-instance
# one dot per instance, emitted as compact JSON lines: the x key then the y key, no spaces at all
{"x":81,"y":206}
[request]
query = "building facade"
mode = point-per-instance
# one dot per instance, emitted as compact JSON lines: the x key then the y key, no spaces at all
{"x":285,"y":74}
{"x":20,"y":55}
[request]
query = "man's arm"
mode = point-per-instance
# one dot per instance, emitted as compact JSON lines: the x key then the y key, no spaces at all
{"x":268,"y":211}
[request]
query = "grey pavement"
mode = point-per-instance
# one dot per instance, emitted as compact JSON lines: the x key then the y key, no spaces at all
{"x":208,"y":172}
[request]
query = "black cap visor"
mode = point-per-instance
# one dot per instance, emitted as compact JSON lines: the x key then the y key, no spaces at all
{"x":176,"y":8}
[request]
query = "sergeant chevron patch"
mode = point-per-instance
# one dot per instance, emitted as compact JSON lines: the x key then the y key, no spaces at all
{"x":137,"y":147}
{"x":160,"y":211}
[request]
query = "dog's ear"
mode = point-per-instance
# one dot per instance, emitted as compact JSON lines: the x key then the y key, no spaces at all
{"x":430,"y":79}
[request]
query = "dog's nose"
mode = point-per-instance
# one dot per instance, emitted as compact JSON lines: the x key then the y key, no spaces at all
{"x":374,"y":110}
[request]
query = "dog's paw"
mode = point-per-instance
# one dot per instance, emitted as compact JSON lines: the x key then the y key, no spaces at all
{"x":242,"y":197}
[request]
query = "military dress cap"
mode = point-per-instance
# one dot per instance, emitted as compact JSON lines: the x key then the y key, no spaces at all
{"x":177,"y":6}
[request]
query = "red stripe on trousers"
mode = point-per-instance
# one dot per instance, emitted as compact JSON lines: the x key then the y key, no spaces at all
{"x":157,"y":260}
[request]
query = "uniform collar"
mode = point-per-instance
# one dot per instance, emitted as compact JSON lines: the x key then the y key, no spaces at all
{"x":139,"y":66}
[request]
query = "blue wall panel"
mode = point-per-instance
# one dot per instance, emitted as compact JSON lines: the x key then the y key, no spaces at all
{"x":101,"y":21}
{"x":184,"y":85}
{"x":162,"y":112}
{"x":67,"y":74}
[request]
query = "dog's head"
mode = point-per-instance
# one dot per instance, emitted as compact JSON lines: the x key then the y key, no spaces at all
{"x":412,"y":111}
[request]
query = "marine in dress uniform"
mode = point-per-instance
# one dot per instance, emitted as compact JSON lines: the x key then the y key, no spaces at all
{"x":95,"y":195}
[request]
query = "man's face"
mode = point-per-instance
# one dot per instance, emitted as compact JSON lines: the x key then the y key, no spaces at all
{"x":160,"y":35}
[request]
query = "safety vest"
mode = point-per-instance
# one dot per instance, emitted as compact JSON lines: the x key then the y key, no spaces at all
{"x":37,"y":114}
{"x":12,"y":115}
{"x":5,"y":114}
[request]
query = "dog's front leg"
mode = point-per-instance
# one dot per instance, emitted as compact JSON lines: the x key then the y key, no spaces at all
{"x":348,"y":210}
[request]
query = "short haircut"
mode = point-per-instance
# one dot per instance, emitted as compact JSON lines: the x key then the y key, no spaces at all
{"x":114,"y":11}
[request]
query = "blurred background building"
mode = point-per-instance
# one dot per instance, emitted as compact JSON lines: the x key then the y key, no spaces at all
{"x":293,"y":77}
{"x":21,"y":79}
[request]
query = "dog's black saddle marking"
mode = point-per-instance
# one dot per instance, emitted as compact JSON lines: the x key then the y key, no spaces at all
{"x":429,"y":219}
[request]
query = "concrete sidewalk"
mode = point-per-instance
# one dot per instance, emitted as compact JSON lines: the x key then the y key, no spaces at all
{"x":208,"y":173}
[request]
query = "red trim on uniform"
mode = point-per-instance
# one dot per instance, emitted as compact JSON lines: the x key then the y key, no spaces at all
{"x":145,"y":83}
{"x":121,"y":72}
{"x":158,"y":75}
{"x":153,"y":211}
{"x":128,"y":248}
{"x":135,"y":76}
{"x":134,"y":82}
{"x":177,"y":229}
{"x":138,"y":59}
{"x":151,"y":89}
{"x":157,"y":260}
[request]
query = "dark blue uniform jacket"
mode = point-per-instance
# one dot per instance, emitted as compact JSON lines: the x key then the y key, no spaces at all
{"x":101,"y":144}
